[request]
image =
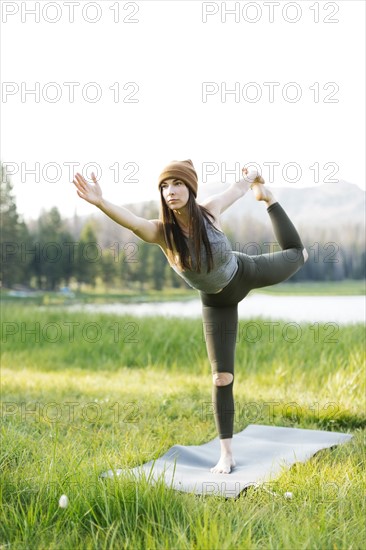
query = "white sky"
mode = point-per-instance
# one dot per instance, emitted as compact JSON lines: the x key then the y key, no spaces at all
{"x":169,"y":52}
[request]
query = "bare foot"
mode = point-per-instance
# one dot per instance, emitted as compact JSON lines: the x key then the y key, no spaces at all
{"x":224,"y":465}
{"x":262,"y":193}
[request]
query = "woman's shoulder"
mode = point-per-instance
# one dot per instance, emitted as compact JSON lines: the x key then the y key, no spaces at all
{"x":160,"y":235}
{"x":211,"y":217}
{"x":158,"y":224}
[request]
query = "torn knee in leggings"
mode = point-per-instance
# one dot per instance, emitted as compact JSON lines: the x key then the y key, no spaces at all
{"x":222,"y":378}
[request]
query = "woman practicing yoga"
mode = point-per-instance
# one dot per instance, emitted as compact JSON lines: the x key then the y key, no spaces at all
{"x":190,"y":236}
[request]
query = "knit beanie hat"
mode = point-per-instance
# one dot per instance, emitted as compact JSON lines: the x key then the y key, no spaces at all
{"x":182,"y":169}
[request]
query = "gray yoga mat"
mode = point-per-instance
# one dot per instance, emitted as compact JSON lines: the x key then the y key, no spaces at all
{"x":261,"y":453}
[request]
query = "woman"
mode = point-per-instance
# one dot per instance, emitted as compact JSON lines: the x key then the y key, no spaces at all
{"x":191,"y":238}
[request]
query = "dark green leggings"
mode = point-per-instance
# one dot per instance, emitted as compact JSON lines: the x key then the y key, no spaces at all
{"x":220,"y":311}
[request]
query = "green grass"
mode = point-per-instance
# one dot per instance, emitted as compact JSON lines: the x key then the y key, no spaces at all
{"x":322,"y":288}
{"x":120,"y":391}
{"x":346,"y":287}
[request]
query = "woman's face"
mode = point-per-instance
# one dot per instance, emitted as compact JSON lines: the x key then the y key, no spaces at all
{"x":175,"y":193}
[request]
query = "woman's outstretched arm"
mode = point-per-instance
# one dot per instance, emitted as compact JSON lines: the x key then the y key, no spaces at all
{"x":147,"y":230}
{"x":217,"y":204}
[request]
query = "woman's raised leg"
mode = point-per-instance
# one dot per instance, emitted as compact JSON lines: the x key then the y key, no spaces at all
{"x":275,"y":267}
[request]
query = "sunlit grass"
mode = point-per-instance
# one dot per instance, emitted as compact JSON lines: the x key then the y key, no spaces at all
{"x":72,"y":409}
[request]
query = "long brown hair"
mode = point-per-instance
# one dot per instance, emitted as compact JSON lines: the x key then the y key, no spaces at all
{"x":174,"y":237}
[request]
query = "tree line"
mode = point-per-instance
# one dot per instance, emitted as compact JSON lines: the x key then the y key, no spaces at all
{"x":50,"y":253}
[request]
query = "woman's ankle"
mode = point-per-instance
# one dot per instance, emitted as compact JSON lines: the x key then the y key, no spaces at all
{"x":225,"y":445}
{"x":271,"y":202}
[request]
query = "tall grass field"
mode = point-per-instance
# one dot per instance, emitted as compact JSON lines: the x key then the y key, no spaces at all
{"x":82,"y":393}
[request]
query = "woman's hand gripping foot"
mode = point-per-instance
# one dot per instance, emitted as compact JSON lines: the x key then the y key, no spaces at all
{"x":252,"y":176}
{"x":256,"y":181}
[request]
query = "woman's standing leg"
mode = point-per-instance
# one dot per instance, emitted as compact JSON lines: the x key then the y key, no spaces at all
{"x":220,"y":325}
{"x":220,"y":317}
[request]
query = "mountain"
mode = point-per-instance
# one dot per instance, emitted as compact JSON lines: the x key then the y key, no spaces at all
{"x":332,"y":204}
{"x":328,"y":206}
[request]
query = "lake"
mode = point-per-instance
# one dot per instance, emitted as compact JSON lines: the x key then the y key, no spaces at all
{"x":338,"y":309}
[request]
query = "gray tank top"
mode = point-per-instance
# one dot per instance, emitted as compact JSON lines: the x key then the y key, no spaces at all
{"x":225,"y":263}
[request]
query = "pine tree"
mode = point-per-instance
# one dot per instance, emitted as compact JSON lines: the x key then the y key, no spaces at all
{"x":51,"y":251}
{"x":88,"y":263}
{"x":13,"y":237}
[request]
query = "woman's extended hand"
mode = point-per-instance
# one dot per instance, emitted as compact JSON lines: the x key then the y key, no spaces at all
{"x":90,"y":192}
{"x":253,"y":176}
